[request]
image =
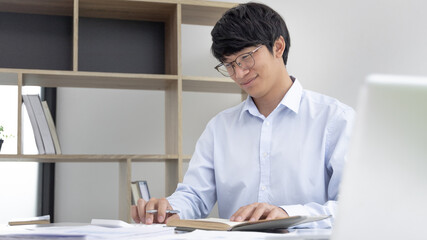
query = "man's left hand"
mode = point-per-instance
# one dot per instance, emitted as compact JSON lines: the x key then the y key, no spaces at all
{"x":257,"y":211}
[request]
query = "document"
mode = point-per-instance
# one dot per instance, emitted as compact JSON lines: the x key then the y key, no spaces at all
{"x":294,"y":234}
{"x":87,"y":232}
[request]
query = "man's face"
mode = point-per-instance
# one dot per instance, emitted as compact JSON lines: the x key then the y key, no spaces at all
{"x":259,"y":80}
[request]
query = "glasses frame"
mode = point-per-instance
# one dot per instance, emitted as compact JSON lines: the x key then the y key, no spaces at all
{"x":236,"y":63}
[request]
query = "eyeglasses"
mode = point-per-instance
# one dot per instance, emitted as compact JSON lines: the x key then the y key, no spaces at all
{"x":245,"y":61}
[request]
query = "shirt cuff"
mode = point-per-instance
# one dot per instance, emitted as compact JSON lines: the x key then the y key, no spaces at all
{"x":175,"y":207}
{"x":295,"y":210}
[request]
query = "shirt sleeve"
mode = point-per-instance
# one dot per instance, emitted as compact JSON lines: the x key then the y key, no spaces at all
{"x":196,"y":195}
{"x":337,"y":141}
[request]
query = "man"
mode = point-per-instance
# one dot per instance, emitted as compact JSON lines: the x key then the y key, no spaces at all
{"x":279,"y":153}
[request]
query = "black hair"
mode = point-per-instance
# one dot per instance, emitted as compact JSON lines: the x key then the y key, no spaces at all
{"x":247,"y":25}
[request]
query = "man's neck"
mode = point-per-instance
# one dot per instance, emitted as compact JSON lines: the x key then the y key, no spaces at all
{"x":268,"y":103}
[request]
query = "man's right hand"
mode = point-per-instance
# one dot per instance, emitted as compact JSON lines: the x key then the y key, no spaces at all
{"x":140,"y":215}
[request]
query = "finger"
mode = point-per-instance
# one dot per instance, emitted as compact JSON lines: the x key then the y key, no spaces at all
{"x":259,"y":211}
{"x":161,"y":209}
{"x":277,"y":213}
{"x":151,"y":205}
{"x":244,"y":212}
{"x":172,"y":217}
{"x":141,"y":209}
{"x":134,"y":214}
{"x":236,"y":214}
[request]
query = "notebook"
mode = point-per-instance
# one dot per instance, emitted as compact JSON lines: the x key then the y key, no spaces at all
{"x":384,"y":189}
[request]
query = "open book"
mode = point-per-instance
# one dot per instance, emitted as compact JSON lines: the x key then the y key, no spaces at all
{"x":226,"y":225}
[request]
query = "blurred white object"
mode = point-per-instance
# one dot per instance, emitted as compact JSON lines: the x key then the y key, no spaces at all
{"x":384,"y":190}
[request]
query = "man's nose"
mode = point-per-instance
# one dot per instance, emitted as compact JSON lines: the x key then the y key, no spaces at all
{"x":240,"y":72}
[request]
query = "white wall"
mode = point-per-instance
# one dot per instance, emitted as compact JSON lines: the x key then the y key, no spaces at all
{"x":18,"y":180}
{"x":335,"y":44}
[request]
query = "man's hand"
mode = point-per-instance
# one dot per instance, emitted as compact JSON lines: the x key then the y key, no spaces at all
{"x":257,"y":211}
{"x":140,"y":215}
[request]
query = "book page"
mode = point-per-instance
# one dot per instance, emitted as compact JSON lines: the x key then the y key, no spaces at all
{"x":220,"y":220}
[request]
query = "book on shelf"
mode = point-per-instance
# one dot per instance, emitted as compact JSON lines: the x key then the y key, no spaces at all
{"x":52,"y":127}
{"x":140,"y":190}
{"x":43,"y":126}
{"x":35,"y":126}
{"x":220,"y":224}
{"x":135,"y":193}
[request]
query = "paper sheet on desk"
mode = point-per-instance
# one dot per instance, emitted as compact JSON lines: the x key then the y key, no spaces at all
{"x":300,"y":234}
{"x":217,"y":235}
{"x":87,"y":232}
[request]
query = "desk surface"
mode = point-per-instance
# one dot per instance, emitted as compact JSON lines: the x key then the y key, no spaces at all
{"x":139,"y":231}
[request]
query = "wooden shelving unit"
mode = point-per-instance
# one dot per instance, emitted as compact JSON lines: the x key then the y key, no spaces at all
{"x":172,"y":13}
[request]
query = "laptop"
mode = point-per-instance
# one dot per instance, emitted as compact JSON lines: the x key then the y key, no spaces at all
{"x":384,"y":189}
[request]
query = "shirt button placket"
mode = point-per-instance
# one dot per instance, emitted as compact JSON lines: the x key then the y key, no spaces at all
{"x":264,"y":160}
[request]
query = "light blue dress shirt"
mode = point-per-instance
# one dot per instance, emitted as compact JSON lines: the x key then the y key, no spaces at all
{"x":293,"y":158}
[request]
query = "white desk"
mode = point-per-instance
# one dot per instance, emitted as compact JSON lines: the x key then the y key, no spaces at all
{"x":79,"y":231}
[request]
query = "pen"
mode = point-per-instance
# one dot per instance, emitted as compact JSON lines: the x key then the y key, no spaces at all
{"x":167,"y":211}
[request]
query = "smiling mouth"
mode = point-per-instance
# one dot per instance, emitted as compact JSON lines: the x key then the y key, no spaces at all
{"x":249,"y":81}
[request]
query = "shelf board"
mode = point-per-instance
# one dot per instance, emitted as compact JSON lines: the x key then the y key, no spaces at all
{"x":203,"y":12}
{"x":8,"y":78}
{"x":79,"y":79}
{"x":53,"y":78}
{"x":100,"y":80}
{"x":85,"y":158}
{"x":209,"y":84}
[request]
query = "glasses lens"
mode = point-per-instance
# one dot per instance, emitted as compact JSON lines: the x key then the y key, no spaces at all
{"x":226,"y":71}
{"x":245,"y":61}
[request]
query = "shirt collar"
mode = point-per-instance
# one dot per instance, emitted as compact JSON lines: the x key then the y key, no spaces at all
{"x":291,"y":100}
{"x":250,"y":107}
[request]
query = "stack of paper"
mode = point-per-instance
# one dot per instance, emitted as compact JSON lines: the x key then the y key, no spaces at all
{"x":85,"y":232}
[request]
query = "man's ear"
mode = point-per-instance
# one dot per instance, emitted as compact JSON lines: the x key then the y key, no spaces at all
{"x":279,"y":47}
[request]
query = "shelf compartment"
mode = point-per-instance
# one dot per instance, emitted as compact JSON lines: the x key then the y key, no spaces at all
{"x":35,"y":41}
{"x":45,"y":7}
{"x":123,"y":46}
{"x":156,"y":11}
{"x":209,"y":84}
{"x":140,"y":35}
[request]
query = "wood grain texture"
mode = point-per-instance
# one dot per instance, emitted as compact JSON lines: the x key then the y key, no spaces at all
{"x":86,"y":158}
{"x":75,"y":35}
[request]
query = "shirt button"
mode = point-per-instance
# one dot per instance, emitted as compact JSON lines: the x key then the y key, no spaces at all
{"x":267,"y":123}
{"x":265,"y":154}
{"x":263,"y":188}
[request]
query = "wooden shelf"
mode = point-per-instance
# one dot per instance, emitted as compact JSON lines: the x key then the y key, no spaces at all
{"x":85,"y":158}
{"x":209,"y":84}
{"x":8,"y":77}
{"x":78,"y":40}
{"x":52,"y":78}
